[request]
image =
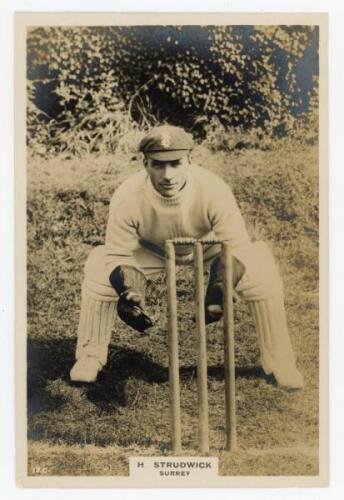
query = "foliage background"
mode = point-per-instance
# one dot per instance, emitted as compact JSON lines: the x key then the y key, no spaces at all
{"x":89,"y":87}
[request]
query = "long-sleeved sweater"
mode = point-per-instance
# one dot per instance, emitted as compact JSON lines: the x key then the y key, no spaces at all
{"x":140,"y":216}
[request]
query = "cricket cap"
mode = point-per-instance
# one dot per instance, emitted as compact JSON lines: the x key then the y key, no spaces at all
{"x":166,"y":143}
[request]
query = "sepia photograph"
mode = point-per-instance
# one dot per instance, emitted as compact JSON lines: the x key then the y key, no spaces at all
{"x":171,"y":168}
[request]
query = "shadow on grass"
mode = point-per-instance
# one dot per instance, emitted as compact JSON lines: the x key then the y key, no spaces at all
{"x":51,"y":360}
{"x":126,"y":363}
{"x":48,"y":360}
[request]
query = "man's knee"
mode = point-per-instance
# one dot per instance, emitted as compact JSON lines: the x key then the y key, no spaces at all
{"x":95,"y":261}
{"x":261,"y":279}
{"x":96,"y":281}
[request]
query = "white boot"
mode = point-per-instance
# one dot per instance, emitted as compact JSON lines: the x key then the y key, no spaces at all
{"x":86,"y":369}
{"x":97,"y":315}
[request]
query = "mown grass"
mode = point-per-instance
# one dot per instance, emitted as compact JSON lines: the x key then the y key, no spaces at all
{"x":78,"y":430}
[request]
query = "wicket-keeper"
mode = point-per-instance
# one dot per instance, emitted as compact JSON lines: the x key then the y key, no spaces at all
{"x":173,"y":198}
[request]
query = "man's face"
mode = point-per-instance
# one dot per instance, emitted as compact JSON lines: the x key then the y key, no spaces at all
{"x":168,"y":177}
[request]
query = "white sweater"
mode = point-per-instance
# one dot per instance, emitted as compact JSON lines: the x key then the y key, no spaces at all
{"x":140,"y":216}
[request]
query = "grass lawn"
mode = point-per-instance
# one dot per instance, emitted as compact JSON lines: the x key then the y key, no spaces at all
{"x":93,"y":430}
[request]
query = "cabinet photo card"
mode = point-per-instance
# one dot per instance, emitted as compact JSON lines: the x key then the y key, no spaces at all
{"x":171,"y":241}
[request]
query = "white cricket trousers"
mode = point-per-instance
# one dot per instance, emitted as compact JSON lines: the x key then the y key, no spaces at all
{"x":260,"y":285}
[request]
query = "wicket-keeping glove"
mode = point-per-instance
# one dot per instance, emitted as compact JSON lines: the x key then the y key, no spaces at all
{"x":130,"y":285}
{"x":214,"y":293}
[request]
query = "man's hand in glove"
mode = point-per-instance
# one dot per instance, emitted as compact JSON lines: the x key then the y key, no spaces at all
{"x":130,"y":285}
{"x":214,"y":293}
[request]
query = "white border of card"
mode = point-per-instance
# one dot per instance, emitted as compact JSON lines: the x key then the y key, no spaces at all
{"x":197,"y":477}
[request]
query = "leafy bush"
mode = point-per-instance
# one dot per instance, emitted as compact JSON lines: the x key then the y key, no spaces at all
{"x":220,"y":138}
{"x":90,"y":86}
